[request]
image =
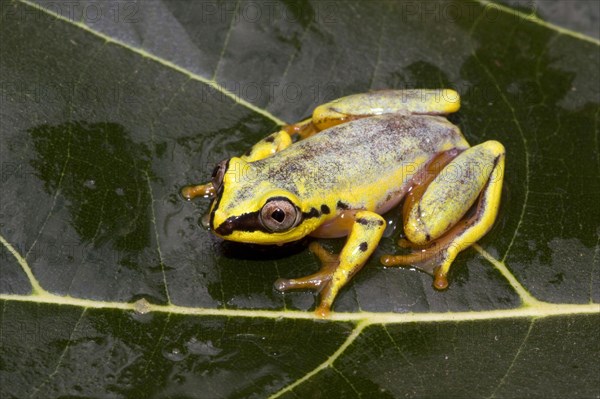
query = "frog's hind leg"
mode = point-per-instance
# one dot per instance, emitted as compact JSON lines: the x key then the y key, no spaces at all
{"x":403,"y":102}
{"x":436,"y":223}
{"x":301,"y":130}
{"x":316,"y":281}
{"x":357,"y":106}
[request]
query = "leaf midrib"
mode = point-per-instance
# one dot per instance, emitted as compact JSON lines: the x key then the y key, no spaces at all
{"x":540,"y":310}
{"x":530,"y":307}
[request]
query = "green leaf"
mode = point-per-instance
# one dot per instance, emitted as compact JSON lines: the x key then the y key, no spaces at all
{"x":110,"y":287}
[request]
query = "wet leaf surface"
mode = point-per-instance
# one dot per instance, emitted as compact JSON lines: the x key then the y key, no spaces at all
{"x":108,"y":109}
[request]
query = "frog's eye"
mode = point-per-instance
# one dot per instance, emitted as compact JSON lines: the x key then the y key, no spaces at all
{"x":218,"y":174}
{"x":279,"y":214}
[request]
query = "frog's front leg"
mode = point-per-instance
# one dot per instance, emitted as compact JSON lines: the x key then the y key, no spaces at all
{"x":336,"y":271}
{"x":268,"y":146}
{"x":436,"y":221}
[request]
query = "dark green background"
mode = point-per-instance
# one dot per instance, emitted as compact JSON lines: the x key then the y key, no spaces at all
{"x":97,"y":139}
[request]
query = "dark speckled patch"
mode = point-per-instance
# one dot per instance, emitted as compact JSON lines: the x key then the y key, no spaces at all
{"x":313,"y":213}
{"x":341,"y":205}
{"x":370,"y":223}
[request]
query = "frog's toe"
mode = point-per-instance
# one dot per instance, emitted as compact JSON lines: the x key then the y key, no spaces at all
{"x":315,"y":281}
{"x":419,"y":259}
{"x":434,"y":260}
{"x":322,"y":311}
{"x":202,"y":190}
{"x":440,"y":279}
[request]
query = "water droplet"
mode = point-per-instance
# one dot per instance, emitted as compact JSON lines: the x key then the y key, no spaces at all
{"x":120,"y":192}
{"x":174,"y":354}
{"x":142,"y":306}
{"x":91,"y":184}
{"x":206,"y":348}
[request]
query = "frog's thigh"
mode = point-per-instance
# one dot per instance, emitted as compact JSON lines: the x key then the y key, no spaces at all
{"x":452,"y":193}
{"x":268,"y":146}
{"x":477,"y":172}
{"x":417,"y":101}
{"x":364,"y":237}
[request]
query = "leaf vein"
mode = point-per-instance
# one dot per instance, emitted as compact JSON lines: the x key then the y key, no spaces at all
{"x":327,"y":363}
{"x":512,"y":363}
{"x":160,"y":256}
{"x":163,"y":62}
{"x":36,"y":288}
{"x":60,"y":358}
{"x":526,"y":297}
{"x":226,"y":41}
{"x":534,"y":19}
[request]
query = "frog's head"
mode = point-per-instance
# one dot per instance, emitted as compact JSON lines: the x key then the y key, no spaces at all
{"x":249,"y":208}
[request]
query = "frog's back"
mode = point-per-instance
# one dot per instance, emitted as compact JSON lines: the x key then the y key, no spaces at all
{"x":376,"y":155}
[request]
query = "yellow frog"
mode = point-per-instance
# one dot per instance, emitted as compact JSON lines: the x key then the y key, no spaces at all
{"x":334,"y":174}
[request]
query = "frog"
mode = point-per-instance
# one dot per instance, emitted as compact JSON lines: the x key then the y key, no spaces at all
{"x":335,"y":173}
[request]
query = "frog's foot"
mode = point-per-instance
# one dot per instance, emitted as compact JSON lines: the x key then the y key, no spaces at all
{"x":440,"y":220}
{"x":426,"y":258}
{"x":203,"y":190}
{"x":315,"y":281}
{"x":401,"y":102}
{"x":430,"y":259}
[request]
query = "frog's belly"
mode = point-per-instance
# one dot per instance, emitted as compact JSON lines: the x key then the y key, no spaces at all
{"x":379,"y":197}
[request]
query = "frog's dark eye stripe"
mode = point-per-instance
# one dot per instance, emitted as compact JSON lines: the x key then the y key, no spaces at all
{"x":279,"y":214}
{"x":218,"y":173}
{"x":214,"y":206}
{"x":217,"y":182}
